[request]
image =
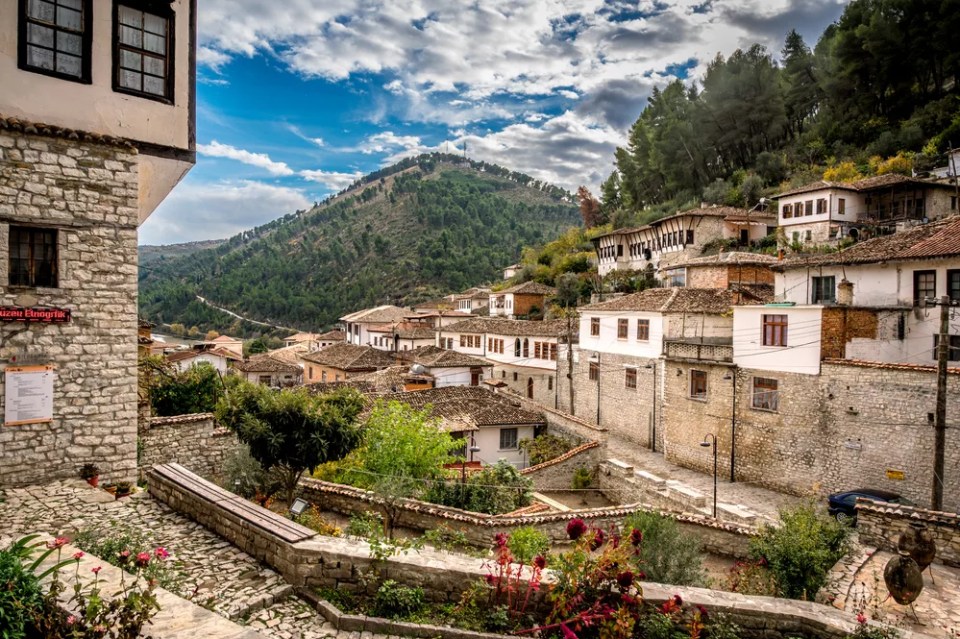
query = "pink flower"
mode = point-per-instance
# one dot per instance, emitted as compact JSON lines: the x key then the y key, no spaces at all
{"x":575,"y":530}
{"x":57,"y":543}
{"x":567,"y":633}
{"x":124,"y":555}
{"x":71,"y":620}
{"x":540,"y":562}
{"x":77,"y":555}
{"x":161,"y":553}
{"x":96,"y":569}
{"x":143,"y":559}
{"x":500,"y":539}
{"x":100,"y":629}
{"x":861,"y":618}
{"x":490,"y":579}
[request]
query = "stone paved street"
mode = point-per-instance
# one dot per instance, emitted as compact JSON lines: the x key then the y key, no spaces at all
{"x":216,"y":574}
{"x":761,"y":501}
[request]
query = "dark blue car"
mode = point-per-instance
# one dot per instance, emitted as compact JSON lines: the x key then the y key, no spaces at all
{"x":841,"y":505}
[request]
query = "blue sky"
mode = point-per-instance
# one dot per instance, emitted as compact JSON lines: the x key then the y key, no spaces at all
{"x":298,"y":98}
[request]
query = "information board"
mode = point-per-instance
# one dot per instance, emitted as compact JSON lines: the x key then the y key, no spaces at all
{"x":29,"y":395}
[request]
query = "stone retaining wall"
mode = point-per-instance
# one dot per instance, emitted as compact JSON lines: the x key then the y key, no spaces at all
{"x":342,"y":563}
{"x":194,"y":441}
{"x":716,"y":537}
{"x":557,"y":474}
{"x":559,"y":422}
{"x":880,"y":525}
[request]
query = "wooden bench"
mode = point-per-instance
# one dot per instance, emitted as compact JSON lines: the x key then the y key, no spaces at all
{"x":266,"y":520}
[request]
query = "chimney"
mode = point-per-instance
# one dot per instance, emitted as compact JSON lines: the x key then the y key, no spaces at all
{"x":845,"y":293}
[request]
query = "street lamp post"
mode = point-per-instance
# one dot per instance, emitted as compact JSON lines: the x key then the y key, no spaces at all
{"x":733,"y":424}
{"x":597,"y":357}
{"x":707,"y":440}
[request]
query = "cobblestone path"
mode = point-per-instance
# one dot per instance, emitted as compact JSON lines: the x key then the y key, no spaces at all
{"x":216,"y":575}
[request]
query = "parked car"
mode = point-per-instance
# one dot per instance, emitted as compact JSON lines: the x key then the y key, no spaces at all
{"x":842,"y":505}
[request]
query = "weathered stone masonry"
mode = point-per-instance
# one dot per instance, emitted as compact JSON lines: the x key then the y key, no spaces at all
{"x":195,"y":441}
{"x":86,"y":188}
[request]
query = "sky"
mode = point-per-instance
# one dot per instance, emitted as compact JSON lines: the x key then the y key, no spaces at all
{"x":296,"y":99}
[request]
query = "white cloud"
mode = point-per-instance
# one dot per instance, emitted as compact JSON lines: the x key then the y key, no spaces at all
{"x":303,"y":136}
{"x":262,"y":160}
{"x":212,"y":58}
{"x":333,"y":180}
{"x":390,"y":142}
{"x":201,"y":211}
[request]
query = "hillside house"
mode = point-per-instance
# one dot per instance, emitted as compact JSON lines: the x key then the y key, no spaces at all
{"x":679,"y":238}
{"x":824,"y":212}
{"x":520,"y":300}
{"x":91,"y":141}
{"x":407,"y":335}
{"x":219,"y":358}
{"x":511,"y":270}
{"x":358,"y":324}
{"x":340,"y":362}
{"x":616,"y":368}
{"x":446,"y":367}
{"x":267,"y":370}
{"x":748,"y":272}
{"x":472,"y":299}
{"x":336,"y":336}
{"x":523,"y":353}
{"x":144,"y":338}
{"x":484,"y":419}
{"x":232,"y":344}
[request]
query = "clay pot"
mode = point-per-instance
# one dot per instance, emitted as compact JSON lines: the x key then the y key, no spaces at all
{"x":94,"y":481}
{"x":903,"y":579}
{"x":917,"y":541}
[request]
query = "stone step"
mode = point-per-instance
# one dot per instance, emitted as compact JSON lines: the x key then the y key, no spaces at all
{"x":684,"y":494}
{"x":649,"y":479}
{"x":736,"y":513}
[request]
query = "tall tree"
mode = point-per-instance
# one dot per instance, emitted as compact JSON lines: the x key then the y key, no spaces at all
{"x":801,"y":92}
{"x":589,"y":208}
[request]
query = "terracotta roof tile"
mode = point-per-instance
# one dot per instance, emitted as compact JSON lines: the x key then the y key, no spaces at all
{"x":376,"y":315}
{"x":670,"y":300}
{"x":498,"y":326}
{"x":935,"y":239}
{"x":467,"y":407}
{"x":435,"y":357}
{"x":39,"y":128}
{"x":335,"y":334}
{"x":266,"y":363}
{"x":864,"y":185}
{"x":922,"y":368}
{"x":734,"y":258}
{"x":529,"y":288}
{"x":350,"y":357}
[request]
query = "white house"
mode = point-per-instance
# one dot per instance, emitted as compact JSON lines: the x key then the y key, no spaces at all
{"x":822,"y":212}
{"x":269,"y":371}
{"x":472,"y":299}
{"x":778,"y":337}
{"x":232,"y":344}
{"x":396,"y":337}
{"x":358,"y":324}
{"x":219,"y":358}
{"x":447,"y":368}
{"x":511,"y":270}
{"x":679,"y":237}
{"x":486,"y":420}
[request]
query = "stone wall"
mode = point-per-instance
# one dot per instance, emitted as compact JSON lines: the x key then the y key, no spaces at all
{"x":880,"y":525}
{"x":343,"y":563}
{"x":557,"y":473}
{"x":625,"y":412}
{"x":843,"y":429}
{"x":841,"y":324}
{"x":544,"y":381}
{"x":194,"y":441}
{"x":86,"y":189}
{"x":560,"y":422}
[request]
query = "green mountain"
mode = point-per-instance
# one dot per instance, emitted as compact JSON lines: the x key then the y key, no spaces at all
{"x":422,"y":228}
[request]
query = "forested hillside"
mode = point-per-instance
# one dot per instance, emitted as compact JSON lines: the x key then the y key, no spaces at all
{"x":425,"y":227}
{"x":878,"y":92}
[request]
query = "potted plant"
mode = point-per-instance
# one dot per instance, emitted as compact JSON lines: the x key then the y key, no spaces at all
{"x":124,"y":488}
{"x":111,"y":488}
{"x":91,"y":473}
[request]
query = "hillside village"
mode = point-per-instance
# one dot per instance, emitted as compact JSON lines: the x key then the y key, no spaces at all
{"x":757,"y":440}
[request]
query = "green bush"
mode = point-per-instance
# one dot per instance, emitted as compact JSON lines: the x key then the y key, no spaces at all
{"x":669,"y":555}
{"x":545,"y":447}
{"x":119,"y":545}
{"x":582,"y":478}
{"x":21,"y":598}
{"x":195,"y":390}
{"x":802,"y":550}
{"x":526,"y":543}
{"x":396,"y":601}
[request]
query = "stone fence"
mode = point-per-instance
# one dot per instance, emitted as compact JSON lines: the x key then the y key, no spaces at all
{"x":196,"y":441}
{"x":344,"y":564}
{"x":880,"y":525}
{"x":557,"y":473}
{"x":479,"y":529}
{"x":559,"y":422}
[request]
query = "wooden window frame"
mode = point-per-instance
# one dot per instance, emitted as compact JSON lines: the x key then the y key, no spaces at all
{"x":630,"y":378}
{"x":817,"y":295}
{"x":161,"y":10}
{"x":594,"y":372}
{"x":32,"y":234}
{"x":841,"y":206}
{"x":787,"y":211}
{"x":698,"y":385}
{"x":821,"y":205}
{"x":917,"y":275}
{"x":760,"y":394}
{"x":594,"y":326}
{"x":953,"y":284}
{"x":643,"y":330}
{"x":623,"y":328}
{"x":773,"y":329}
{"x":808,"y":207}
{"x":86,"y":42}
{"x":513,"y":434}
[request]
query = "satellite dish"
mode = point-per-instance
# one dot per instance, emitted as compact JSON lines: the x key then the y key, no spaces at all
{"x":417,"y":369}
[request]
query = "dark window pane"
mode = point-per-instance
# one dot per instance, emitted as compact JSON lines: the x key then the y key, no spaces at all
{"x":154,"y":43}
{"x":69,"y":43}
{"x":40,"y":10}
{"x":68,"y":64}
{"x":154,"y":66}
{"x":130,"y":60}
{"x":37,"y":34}
{"x":69,"y":19}
{"x":70,"y":4}
{"x":42,"y":58}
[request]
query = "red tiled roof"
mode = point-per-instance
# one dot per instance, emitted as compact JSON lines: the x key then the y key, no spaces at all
{"x":498,"y":326}
{"x":266,"y":364}
{"x":435,"y":357}
{"x":864,"y":185}
{"x":350,"y":357}
{"x":670,"y":300}
{"x":467,"y":407}
{"x":39,"y":128}
{"x":530,"y":288}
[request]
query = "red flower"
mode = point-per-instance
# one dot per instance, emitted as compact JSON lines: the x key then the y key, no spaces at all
{"x":861,"y":618}
{"x":567,"y":633}
{"x":576,"y":528}
{"x":143,"y":559}
{"x":641,"y":576}
{"x":625,"y":579}
{"x":598,"y":539}
{"x":500,"y":539}
{"x":636,"y":537}
{"x":490,"y":579}
{"x":677,"y":600}
{"x":703,"y":611}
{"x":96,"y":569}
{"x":77,"y":555}
{"x":124,"y":555}
{"x":161,"y":553}
{"x":57,"y":543}
{"x":540,"y":562}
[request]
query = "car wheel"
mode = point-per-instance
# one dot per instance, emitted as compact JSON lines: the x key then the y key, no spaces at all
{"x":844,"y":518}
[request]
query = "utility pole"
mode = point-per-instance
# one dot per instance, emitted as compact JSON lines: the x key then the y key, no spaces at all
{"x":573,"y":410}
{"x":940,"y":423}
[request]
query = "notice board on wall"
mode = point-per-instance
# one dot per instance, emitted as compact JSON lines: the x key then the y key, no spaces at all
{"x":29,"y":395}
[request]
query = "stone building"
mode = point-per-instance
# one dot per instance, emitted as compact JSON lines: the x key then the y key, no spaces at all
{"x":96,"y":127}
{"x":522,"y":300}
{"x":339,"y":362}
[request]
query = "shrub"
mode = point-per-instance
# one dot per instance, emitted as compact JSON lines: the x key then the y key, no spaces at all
{"x":494,"y":490}
{"x":801,"y":551}
{"x":21,"y":598}
{"x":195,"y":390}
{"x":545,"y":447}
{"x":120,"y":546}
{"x":669,"y":555}
{"x":245,"y":476}
{"x":445,"y":538}
{"x":526,"y":543}
{"x":582,"y":478}
{"x":752,"y":578}
{"x":395,"y":601}
{"x":313,"y":520}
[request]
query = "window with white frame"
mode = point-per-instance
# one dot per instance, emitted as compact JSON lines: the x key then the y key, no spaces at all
{"x":765,"y":394}
{"x":144,"y":52}
{"x":508,"y":439}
